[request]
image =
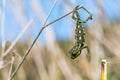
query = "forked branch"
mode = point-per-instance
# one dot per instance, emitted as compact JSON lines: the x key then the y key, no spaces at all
{"x":30,"y":47}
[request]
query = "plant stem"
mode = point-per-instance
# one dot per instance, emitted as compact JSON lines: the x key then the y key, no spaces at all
{"x":30,"y":47}
{"x":104,"y":70}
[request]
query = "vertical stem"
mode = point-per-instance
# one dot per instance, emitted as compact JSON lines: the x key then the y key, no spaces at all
{"x":18,"y":37}
{"x":30,"y":47}
{"x":104,"y":69}
{"x":11,"y":66}
{"x":3,"y":26}
{"x":27,"y":52}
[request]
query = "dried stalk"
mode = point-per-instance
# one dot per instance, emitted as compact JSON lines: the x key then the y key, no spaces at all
{"x":30,"y":47}
{"x":16,"y":40}
{"x":11,"y":66}
{"x":2,"y":27}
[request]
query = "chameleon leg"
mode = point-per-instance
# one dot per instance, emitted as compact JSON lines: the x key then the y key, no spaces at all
{"x":90,"y":17}
{"x":74,"y":16}
{"x":80,"y":6}
{"x":82,"y":21}
{"x":86,"y":47}
{"x":79,"y":52}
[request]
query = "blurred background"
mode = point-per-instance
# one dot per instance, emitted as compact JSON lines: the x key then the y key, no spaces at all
{"x":21,"y":20}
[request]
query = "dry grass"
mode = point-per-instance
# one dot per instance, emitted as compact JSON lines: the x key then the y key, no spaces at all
{"x":50,"y":61}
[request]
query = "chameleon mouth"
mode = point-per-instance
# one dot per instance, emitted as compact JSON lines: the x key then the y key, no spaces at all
{"x":74,"y":54}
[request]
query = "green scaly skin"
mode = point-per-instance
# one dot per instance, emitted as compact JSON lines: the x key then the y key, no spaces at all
{"x":79,"y":33}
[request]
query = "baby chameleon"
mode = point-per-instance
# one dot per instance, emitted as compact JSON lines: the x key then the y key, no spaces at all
{"x":79,"y":33}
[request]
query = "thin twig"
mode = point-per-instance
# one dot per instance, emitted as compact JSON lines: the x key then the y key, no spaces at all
{"x":24,"y":57}
{"x":2,"y":27}
{"x":18,"y":37}
{"x":55,"y":2}
{"x":4,"y":63}
{"x":30,"y":47}
{"x":11,"y":66}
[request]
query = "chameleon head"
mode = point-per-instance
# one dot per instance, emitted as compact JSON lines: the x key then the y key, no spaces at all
{"x":74,"y":52}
